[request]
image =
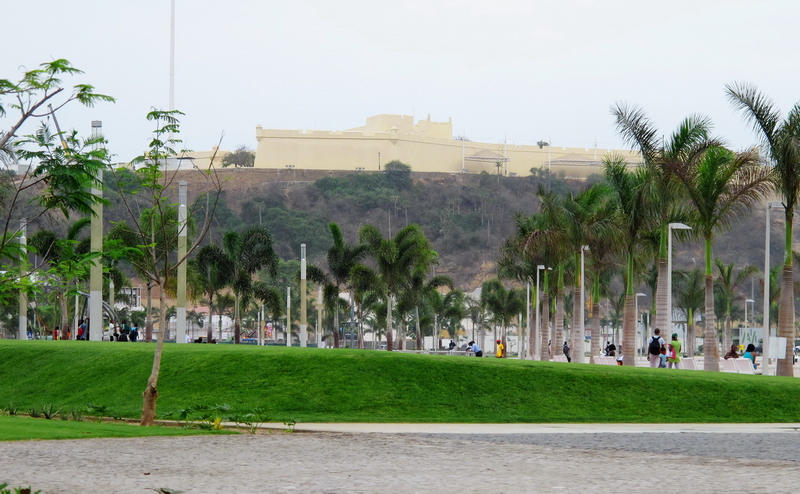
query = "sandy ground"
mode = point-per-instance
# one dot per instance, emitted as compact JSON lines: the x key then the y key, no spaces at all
{"x":330,"y":462}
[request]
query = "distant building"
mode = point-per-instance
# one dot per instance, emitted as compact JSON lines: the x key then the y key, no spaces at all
{"x":427,"y":146}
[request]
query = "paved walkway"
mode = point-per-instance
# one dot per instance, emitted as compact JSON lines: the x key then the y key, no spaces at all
{"x":540,"y":428}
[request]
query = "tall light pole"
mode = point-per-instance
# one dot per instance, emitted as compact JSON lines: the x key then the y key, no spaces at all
{"x":672,"y":226}
{"x":303,"y":314}
{"x":23,"y":295}
{"x":180,"y":309}
{"x":95,"y":326}
{"x":765,"y":340}
{"x":748,"y":301}
{"x":319,"y":316}
{"x":522,"y":352}
{"x":577,"y":353}
{"x":288,"y":316}
{"x":638,"y":319}
{"x":538,"y":299}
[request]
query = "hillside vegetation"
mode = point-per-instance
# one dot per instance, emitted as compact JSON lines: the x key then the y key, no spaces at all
{"x":319,"y":385}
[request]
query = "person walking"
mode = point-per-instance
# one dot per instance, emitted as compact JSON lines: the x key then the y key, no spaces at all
{"x":675,"y":354}
{"x":501,"y":350}
{"x":654,"y":348}
{"x":565,"y":349}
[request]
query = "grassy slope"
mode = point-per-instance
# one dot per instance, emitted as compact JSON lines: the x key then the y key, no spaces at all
{"x":310,"y":385}
{"x":24,"y":428}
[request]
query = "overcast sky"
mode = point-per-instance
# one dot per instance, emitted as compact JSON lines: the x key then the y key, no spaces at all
{"x":502,"y":69}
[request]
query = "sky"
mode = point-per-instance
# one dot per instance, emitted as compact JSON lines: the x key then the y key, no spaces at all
{"x":505,"y":70}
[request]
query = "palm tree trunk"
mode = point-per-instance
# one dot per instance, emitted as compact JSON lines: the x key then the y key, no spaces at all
{"x":389,"y":323}
{"x":336,"y":323}
{"x":629,"y":331}
{"x":210,"y":330}
{"x":629,"y":317}
{"x":710,"y":350}
{"x":544,"y":348}
{"x":419,"y":330}
{"x":558,"y":338}
{"x":662,"y":316}
{"x":690,"y":333}
{"x":595,"y":317}
{"x":576,"y":335}
{"x":237,"y":328}
{"x":786,"y":319}
{"x":726,"y":334}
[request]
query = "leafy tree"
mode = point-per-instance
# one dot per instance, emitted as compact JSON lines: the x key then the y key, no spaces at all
{"x":243,"y":157}
{"x":781,"y":139}
{"x":151,"y":236}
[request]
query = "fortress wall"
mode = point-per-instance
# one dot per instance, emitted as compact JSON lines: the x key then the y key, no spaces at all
{"x":354,"y":149}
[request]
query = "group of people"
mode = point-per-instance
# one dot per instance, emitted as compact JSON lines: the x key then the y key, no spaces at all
{"x":749,"y":353}
{"x":476,"y":349}
{"x":124,"y":332}
{"x":663,"y":354}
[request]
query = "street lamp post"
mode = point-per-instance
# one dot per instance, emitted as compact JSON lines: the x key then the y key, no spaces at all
{"x":765,"y":340}
{"x":538,"y":314}
{"x":577,"y":353}
{"x":748,"y":301}
{"x":672,"y":226}
{"x":638,"y":320}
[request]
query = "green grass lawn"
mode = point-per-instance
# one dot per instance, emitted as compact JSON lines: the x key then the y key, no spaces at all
{"x":25,"y":428}
{"x":325,"y":385}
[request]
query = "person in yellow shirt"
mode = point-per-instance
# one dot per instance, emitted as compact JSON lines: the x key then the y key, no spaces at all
{"x":501,"y":349}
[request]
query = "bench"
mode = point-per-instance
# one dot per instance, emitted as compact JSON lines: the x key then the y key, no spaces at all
{"x":728,"y":365}
{"x":689,"y":363}
{"x":743,"y":365}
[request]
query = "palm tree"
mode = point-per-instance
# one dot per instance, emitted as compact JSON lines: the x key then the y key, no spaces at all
{"x":589,"y":218}
{"x":342,"y":258}
{"x":213,"y":270}
{"x":722,"y":186}
{"x":781,"y":139}
{"x":504,"y":303}
{"x":685,"y":145}
{"x":397,"y":259}
{"x":416,"y":292}
{"x":247,"y":253}
{"x":635,"y":214}
{"x":727,"y":286}
{"x":689,"y":292}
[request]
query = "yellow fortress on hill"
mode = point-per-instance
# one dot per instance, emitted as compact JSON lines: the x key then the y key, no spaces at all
{"x":427,"y":146}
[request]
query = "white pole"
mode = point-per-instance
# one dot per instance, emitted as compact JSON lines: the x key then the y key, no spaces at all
{"x":303,"y":314}
{"x":95,"y":326}
{"x":172,"y":56}
{"x":319,"y":316}
{"x":581,"y":327}
{"x":538,"y":314}
{"x":180,"y":310}
{"x":288,"y":316}
{"x":22,"y":333}
{"x":261,"y":326}
{"x":75,"y":321}
{"x":522,"y":352}
{"x":765,"y":339}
